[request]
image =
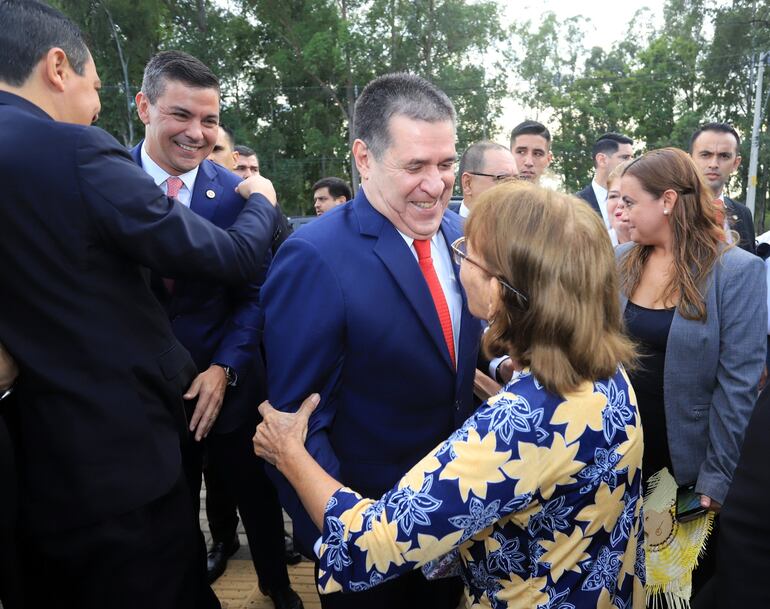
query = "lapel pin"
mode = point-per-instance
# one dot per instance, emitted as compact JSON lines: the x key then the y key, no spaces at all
{"x":210,"y":194}
{"x":735,"y":218}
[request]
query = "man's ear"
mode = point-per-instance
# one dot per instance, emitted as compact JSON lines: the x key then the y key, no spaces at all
{"x":550,"y":158}
{"x":465,"y":183}
{"x":55,"y":66}
{"x":143,"y":107}
{"x":737,"y":162}
{"x":363,"y":157}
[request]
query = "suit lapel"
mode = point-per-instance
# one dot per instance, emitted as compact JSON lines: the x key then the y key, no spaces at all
{"x":392,"y":250}
{"x":207,"y":191}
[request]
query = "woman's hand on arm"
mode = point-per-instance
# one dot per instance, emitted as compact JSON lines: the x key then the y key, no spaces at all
{"x":280,"y":440}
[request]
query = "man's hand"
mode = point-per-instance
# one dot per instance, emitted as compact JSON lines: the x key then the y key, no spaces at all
{"x":484,"y":387}
{"x":281,"y":433}
{"x":8,"y":369}
{"x":257,"y":184}
{"x":209,"y":387}
{"x":710,"y":504}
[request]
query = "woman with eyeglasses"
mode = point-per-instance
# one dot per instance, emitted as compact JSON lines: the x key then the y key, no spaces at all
{"x":537,"y":495}
{"x":696,"y":306}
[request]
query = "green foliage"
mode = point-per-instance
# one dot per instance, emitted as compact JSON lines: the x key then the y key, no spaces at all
{"x":292,"y":69}
{"x":657,"y":85}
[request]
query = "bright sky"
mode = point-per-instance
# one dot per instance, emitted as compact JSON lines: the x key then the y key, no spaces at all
{"x":608,"y":24}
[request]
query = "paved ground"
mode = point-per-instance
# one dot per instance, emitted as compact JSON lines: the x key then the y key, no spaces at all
{"x":237,"y":588}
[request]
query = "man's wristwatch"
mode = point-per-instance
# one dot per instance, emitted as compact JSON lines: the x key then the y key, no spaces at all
{"x":6,"y":393}
{"x":230,"y":375}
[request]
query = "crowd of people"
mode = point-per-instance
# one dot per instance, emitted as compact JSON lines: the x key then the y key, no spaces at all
{"x":539,"y":401}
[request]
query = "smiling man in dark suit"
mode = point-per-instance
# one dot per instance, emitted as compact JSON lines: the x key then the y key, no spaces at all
{"x":218,"y":324}
{"x":106,"y":514}
{"x":715,"y":148}
{"x":380,"y":323}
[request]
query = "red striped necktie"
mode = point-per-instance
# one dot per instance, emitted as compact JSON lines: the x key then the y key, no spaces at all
{"x":422,"y":247}
{"x":173,"y":186}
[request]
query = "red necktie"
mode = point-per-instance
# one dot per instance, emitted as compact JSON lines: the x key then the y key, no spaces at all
{"x":422,"y":247}
{"x":173,"y":186}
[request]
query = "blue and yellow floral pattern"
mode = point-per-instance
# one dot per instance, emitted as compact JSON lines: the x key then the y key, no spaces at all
{"x":539,"y":492}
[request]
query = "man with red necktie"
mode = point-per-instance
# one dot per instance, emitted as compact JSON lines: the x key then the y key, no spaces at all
{"x":715,"y":148}
{"x":379,"y":323}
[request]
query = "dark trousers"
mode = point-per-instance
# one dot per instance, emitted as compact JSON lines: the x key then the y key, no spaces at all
{"x":221,"y":506}
{"x":410,"y":591}
{"x":231,"y":458}
{"x":10,"y":589}
{"x":151,"y":557}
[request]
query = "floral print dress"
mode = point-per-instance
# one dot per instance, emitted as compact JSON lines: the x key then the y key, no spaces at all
{"x":538,"y":493}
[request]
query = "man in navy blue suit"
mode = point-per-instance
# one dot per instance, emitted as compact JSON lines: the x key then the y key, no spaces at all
{"x":380,"y":326}
{"x":218,"y":324}
{"x":106,"y":517}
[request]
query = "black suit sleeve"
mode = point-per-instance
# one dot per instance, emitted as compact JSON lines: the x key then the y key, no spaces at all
{"x":133,"y":215}
{"x":743,"y":550}
{"x":745,"y":226}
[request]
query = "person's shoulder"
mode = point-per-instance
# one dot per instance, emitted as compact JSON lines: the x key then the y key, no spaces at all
{"x":622,"y":249}
{"x":226,"y":177}
{"x":453,"y":222}
{"x":585,"y":192}
{"x":737,"y":260}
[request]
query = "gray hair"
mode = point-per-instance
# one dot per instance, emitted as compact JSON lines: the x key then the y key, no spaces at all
{"x":473,"y":157}
{"x":179,"y":66}
{"x":397,"y":94}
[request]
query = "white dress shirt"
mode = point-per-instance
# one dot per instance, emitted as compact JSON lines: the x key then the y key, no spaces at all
{"x":442,"y":262}
{"x":601,"y":198}
{"x":161,"y":175}
{"x":463,"y":211}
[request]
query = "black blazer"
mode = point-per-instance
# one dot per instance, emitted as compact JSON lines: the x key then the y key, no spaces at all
{"x":101,"y":372}
{"x":743,"y":549}
{"x":589,"y":196}
{"x":742,"y":222}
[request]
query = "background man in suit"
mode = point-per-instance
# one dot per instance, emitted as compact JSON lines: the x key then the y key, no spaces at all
{"x":610,"y":150}
{"x":247,"y":162}
{"x":531,"y":147}
{"x":329,"y":193}
{"x":483,"y":165}
{"x":715,"y":148}
{"x":393,"y":367}
{"x":106,"y":511}
{"x":219,"y":325}
{"x":224,"y":149}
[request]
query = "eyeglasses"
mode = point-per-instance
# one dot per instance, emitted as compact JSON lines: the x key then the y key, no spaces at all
{"x":460,"y":254}
{"x":499,"y":177}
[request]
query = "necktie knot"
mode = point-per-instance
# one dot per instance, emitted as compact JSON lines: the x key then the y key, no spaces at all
{"x":173,"y":186}
{"x":422,"y":247}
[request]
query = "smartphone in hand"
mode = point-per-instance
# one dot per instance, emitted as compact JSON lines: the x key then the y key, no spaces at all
{"x":688,"y":505}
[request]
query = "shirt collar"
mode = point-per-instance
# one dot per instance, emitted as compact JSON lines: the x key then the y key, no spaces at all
{"x":160,"y":175}
{"x":410,"y":240}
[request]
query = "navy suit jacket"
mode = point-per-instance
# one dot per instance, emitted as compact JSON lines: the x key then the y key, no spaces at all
{"x":589,"y":196}
{"x":102,"y":374}
{"x":349,"y":315}
{"x":218,"y":323}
